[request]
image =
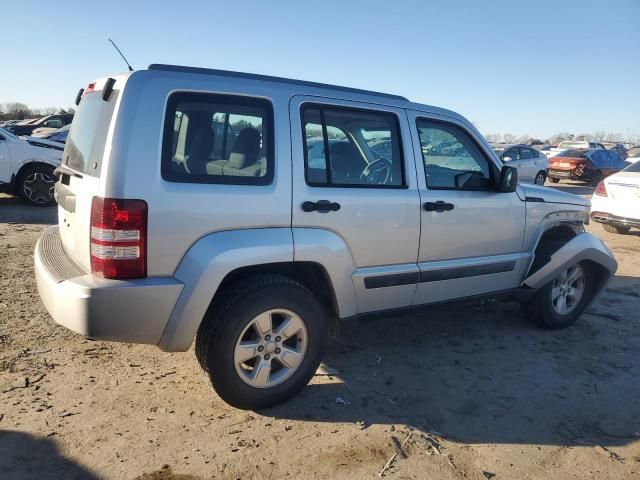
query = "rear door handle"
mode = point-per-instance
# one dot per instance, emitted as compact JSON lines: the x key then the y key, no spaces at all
{"x":322,"y":206}
{"x":438,"y":206}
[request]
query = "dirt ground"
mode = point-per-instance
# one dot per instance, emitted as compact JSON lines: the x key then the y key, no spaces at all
{"x":482,"y":392}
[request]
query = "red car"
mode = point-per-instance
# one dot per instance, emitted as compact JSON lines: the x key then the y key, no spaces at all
{"x":584,"y":164}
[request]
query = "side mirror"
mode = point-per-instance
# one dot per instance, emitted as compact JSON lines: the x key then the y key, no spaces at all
{"x":508,"y":179}
{"x":506,"y":159}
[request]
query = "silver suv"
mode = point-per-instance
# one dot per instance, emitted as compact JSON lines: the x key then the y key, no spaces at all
{"x":250,"y":212}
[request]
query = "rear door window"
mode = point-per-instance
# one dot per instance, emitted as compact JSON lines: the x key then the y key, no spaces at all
{"x":347,"y":147}
{"x":218,"y":139}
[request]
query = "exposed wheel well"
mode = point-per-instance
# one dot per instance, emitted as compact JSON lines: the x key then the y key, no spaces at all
{"x":310,"y":274}
{"x":550,"y":242}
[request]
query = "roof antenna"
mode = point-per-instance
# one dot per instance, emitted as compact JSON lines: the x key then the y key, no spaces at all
{"x":125,"y":60}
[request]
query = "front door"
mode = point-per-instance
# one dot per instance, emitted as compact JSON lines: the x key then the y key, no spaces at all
{"x":354,"y":184}
{"x":471,"y":236}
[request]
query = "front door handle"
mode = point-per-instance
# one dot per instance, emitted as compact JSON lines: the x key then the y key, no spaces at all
{"x":322,"y":206}
{"x":438,"y":206}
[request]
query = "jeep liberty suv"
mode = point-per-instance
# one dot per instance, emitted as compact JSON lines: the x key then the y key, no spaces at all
{"x":248,"y":212}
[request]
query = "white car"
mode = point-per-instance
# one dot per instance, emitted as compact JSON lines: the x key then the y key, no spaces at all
{"x":26,"y":167}
{"x":532,"y":164}
{"x":572,"y":144}
{"x":616,"y":201}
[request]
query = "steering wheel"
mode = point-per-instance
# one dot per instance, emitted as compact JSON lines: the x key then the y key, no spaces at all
{"x":377,"y":172}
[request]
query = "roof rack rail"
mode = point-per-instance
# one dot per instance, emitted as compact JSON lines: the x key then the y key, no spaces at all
{"x":267,"y":78}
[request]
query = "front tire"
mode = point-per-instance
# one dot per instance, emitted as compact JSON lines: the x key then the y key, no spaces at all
{"x":36,"y":185}
{"x":263,"y":342}
{"x":561,"y":302}
{"x":615,"y":229}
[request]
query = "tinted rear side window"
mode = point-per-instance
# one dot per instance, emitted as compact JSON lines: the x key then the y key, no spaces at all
{"x":210,"y":138}
{"x":86,"y":141}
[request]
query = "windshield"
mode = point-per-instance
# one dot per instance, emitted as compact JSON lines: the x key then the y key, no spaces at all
{"x":634,"y":167}
{"x":580,"y":153}
{"x":7,"y":133}
{"x":566,"y":145}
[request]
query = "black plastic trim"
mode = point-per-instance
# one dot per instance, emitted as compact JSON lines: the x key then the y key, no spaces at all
{"x":392,"y":280}
{"x":463,"y":272}
{"x":108,"y":89}
{"x":534,"y":199}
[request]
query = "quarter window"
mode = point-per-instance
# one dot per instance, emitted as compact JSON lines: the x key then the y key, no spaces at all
{"x":452,"y":160}
{"x":218,"y":139}
{"x":347,"y":147}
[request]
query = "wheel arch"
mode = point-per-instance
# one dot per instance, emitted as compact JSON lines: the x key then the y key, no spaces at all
{"x":26,"y":166}
{"x":583,"y":247}
{"x":221,"y":259}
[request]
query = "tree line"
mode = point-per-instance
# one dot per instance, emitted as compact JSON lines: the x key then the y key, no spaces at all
{"x":20,"y":111}
{"x":597,"y":136}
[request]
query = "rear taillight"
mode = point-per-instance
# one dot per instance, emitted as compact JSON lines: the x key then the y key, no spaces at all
{"x":601,"y":190}
{"x":119,"y":238}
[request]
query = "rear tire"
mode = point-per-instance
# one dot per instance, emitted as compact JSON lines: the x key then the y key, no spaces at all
{"x":242,"y":357}
{"x":36,"y":184}
{"x":546,"y":308}
{"x":554,"y":180}
{"x":615,"y":229}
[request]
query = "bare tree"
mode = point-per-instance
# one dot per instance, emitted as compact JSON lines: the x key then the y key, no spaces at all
{"x":509,"y":138}
{"x":493,"y":137}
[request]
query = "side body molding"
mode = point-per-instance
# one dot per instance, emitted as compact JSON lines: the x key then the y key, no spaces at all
{"x":580,"y":248}
{"x":329,"y":250}
{"x":206,"y":264}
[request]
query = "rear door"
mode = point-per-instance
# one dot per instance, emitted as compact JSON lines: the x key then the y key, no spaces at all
{"x":82,"y":162}
{"x":354,"y":176}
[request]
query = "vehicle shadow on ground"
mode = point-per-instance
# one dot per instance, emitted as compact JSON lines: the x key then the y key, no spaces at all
{"x":16,"y":210}
{"x":23,"y":456}
{"x":481,"y":373}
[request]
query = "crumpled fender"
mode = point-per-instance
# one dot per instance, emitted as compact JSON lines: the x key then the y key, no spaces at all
{"x":583,"y":247}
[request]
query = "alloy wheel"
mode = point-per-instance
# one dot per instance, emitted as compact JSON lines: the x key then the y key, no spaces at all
{"x":271,"y":348}
{"x":38,"y":187}
{"x":568,"y":290}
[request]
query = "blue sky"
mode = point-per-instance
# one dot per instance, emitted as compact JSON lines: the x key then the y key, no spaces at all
{"x":509,"y":66}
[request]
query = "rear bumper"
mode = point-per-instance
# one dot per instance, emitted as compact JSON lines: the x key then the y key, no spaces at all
{"x":570,"y":174}
{"x":603,"y":217}
{"x":133,"y":311}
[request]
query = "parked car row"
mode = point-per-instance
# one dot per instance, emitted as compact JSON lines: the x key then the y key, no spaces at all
{"x":34,"y":126}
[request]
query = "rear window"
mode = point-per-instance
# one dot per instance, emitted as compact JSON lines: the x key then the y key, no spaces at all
{"x":86,"y":141}
{"x":573,"y":154}
{"x":634,"y":167}
{"x":211,"y":138}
